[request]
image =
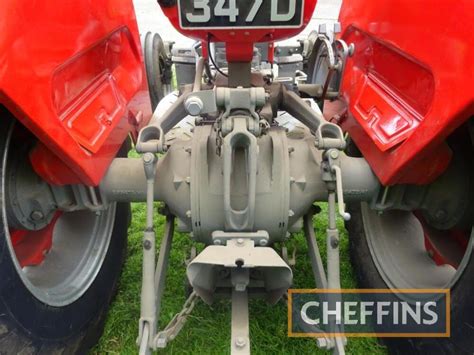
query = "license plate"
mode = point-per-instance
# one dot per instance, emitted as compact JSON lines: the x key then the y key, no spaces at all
{"x":222,"y":14}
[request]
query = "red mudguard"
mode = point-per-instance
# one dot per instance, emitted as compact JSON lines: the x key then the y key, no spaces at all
{"x":409,"y":83}
{"x":69,"y":71}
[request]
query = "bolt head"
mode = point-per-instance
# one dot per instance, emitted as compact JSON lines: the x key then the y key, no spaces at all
{"x":334,"y":154}
{"x":147,"y":245}
{"x":263,"y":242}
{"x":217,"y":242}
{"x":240,"y":241}
{"x":240,"y":342}
{"x":194,"y":106}
{"x":37,"y":215}
{"x":148,"y":157}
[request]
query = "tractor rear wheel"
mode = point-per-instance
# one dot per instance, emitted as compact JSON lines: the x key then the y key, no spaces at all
{"x":56,"y":283}
{"x":401,"y":250}
{"x":155,"y":58}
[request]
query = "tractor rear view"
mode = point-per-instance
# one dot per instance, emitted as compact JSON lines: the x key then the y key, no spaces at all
{"x":362,"y":115}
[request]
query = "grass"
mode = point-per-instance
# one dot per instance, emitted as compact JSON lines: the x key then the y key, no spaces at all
{"x":208,"y":328}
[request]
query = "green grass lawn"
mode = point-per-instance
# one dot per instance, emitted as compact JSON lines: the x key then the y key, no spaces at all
{"x":208,"y":328}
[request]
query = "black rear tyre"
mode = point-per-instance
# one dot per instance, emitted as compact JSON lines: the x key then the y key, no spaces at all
{"x":29,"y":325}
{"x":155,"y":58}
{"x":403,"y":235}
{"x":462,"y":307}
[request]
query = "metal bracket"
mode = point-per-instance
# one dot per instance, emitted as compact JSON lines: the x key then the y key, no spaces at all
{"x":151,"y":138}
{"x":147,"y":322}
{"x":149,"y":339}
{"x":240,"y":138}
{"x":332,"y":280}
{"x":201,"y":102}
{"x":205,"y":270}
{"x":240,"y":340}
{"x":221,"y":238}
{"x":154,"y":276}
{"x":331,"y":173}
{"x":228,"y":99}
{"x":328,"y":135}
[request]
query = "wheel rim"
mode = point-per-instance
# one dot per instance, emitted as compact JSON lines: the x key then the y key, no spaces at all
{"x":397,"y":244}
{"x":320,"y":71}
{"x":58,"y":263}
{"x":154,"y":56}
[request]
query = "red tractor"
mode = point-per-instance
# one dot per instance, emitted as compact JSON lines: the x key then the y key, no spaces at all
{"x":372,"y":115}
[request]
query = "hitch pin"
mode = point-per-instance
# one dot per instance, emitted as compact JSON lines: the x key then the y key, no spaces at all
{"x":340,"y":196}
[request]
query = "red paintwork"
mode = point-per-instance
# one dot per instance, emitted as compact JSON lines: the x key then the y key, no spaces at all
{"x":31,"y":246}
{"x":68,"y":70}
{"x":240,"y":42}
{"x":409,"y":83}
{"x":444,"y":247}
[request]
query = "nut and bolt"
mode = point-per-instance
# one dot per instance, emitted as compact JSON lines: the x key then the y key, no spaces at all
{"x":194,"y":106}
{"x":334,"y":154}
{"x":147,"y":245}
{"x":37,"y":215}
{"x":240,"y":241}
{"x":240,"y":342}
{"x":148,"y":158}
{"x":334,"y":242}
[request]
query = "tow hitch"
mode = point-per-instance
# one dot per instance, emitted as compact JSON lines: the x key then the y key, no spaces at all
{"x":239,"y":185}
{"x":244,"y":177}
